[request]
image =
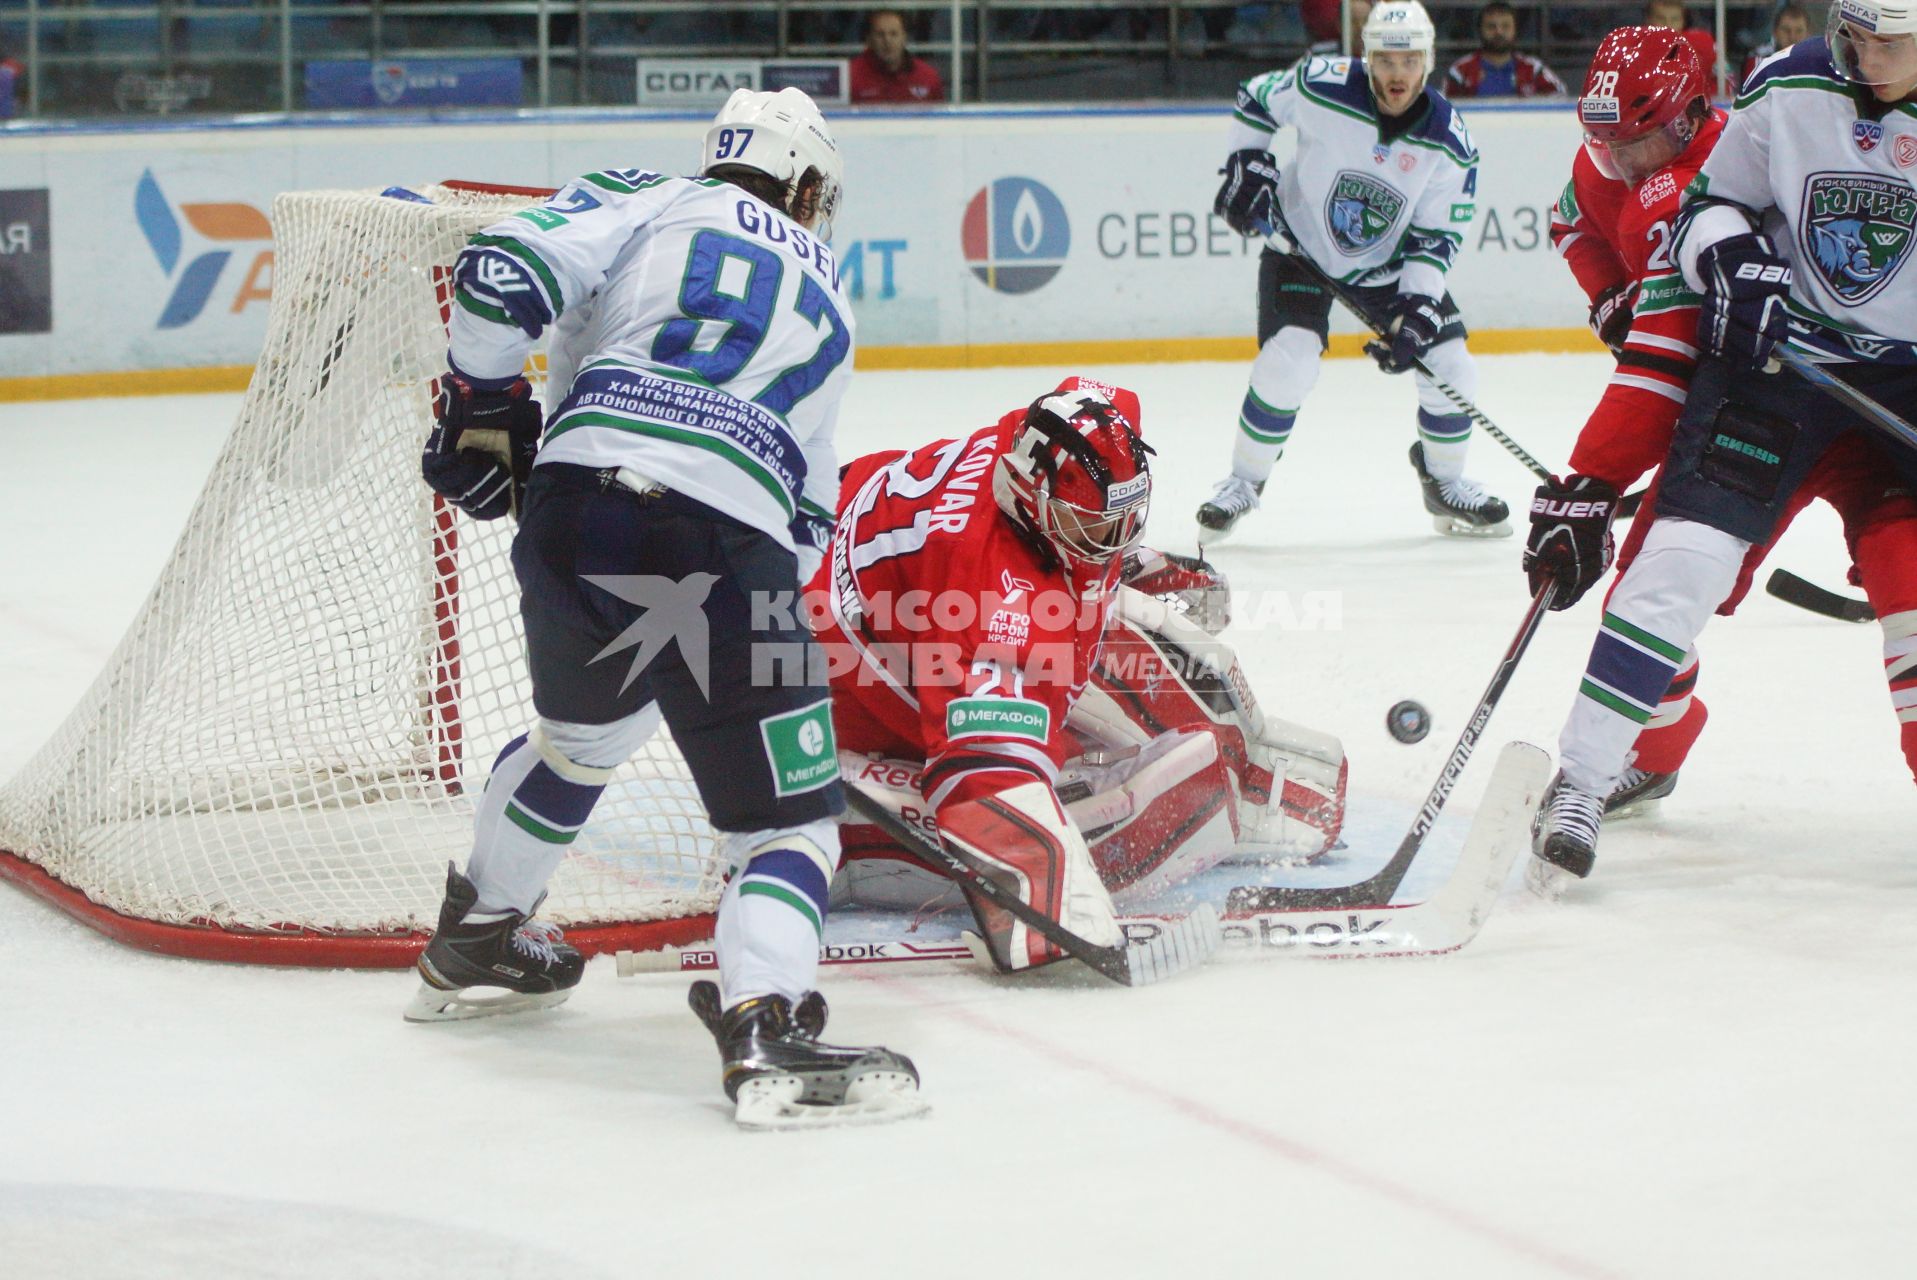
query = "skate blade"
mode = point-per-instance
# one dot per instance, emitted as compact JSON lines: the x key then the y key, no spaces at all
{"x":1636,"y":809}
{"x":1210,"y":537}
{"x":1452,"y":527}
{"x":431,"y":1004}
{"x":1547,"y":880}
{"x":771,"y":1103}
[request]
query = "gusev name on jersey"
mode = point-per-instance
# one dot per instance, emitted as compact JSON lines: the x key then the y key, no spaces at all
{"x":700,"y":338}
{"x":1367,"y":209}
{"x":1830,"y":186}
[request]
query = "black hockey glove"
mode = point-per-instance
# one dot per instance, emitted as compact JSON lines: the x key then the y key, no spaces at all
{"x":1570,"y":536}
{"x":480,"y":454}
{"x":1248,"y":198}
{"x":1611,"y":315}
{"x":1414,"y":324}
{"x":1745,"y":285}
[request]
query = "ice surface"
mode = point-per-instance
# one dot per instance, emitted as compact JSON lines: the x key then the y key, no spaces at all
{"x":1697,"y":1064}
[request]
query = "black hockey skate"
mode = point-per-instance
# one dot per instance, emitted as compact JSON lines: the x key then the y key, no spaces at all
{"x":779,"y":1076}
{"x":521,"y":960}
{"x":1231,"y":499}
{"x":1636,"y":792}
{"x":1563,"y":837}
{"x":1459,"y":507}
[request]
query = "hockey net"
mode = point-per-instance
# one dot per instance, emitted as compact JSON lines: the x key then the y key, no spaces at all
{"x":281,"y":756}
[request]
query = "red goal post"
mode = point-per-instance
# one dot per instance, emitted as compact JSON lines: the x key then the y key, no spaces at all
{"x":274,"y":765}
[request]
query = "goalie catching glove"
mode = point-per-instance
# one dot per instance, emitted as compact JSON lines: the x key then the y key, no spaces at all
{"x":480,"y":454}
{"x":1570,"y":541}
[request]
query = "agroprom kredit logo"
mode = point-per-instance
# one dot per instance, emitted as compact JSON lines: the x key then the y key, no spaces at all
{"x":221,"y":223}
{"x":1015,"y":235}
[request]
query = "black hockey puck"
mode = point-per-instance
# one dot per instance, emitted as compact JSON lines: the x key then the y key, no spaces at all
{"x":1408,"y":721}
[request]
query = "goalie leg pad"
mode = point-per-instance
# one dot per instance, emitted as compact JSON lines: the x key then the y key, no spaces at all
{"x":1024,"y":841}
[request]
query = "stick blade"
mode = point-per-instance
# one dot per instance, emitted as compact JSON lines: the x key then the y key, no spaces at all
{"x":1173,"y":947}
{"x":1791,"y":589}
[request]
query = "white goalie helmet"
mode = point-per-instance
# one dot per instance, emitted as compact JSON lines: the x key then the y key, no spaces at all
{"x":782,"y":135}
{"x":1401,"y":26}
{"x":1871,"y":41}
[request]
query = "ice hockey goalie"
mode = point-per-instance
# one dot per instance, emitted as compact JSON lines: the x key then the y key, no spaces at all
{"x":1012,"y":674}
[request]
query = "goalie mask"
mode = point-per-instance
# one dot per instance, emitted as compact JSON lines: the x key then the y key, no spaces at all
{"x":783,"y":136}
{"x":1075,"y":475}
{"x":1643,"y":99}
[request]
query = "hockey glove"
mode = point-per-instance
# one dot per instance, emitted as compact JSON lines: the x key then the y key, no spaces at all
{"x":1611,"y":315}
{"x":1570,"y":536}
{"x":1414,"y":324}
{"x":1745,"y":284}
{"x":1248,"y":198}
{"x":481,"y":453}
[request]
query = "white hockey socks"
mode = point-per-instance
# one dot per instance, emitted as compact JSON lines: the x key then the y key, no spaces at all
{"x":1445,"y":431}
{"x":1281,"y":377}
{"x":772,"y":914}
{"x":1652,"y":620}
{"x":540,"y":793}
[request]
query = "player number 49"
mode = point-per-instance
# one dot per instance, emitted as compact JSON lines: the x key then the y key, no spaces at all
{"x":732,"y":143}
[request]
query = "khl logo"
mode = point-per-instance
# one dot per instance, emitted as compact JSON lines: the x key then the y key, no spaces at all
{"x":1015,"y":235}
{"x":217,"y":222}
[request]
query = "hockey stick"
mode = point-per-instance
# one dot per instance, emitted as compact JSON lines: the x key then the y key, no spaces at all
{"x":1377,"y":890}
{"x":1446,"y":921}
{"x":1791,"y":589}
{"x":1627,"y":505}
{"x":1181,"y":945}
{"x":1850,"y":397}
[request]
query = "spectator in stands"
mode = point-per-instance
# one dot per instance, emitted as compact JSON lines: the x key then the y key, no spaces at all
{"x":1321,"y":23}
{"x":1672,"y":14}
{"x":10,"y":73}
{"x":1497,"y":69}
{"x":1791,"y":24}
{"x":887,"y":71}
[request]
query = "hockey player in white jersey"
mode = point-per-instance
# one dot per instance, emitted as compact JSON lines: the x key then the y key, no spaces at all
{"x":700,"y":345}
{"x":1378,"y":197}
{"x":1797,"y":230}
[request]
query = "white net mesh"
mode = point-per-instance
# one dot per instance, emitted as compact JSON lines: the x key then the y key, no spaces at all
{"x":288,"y":736}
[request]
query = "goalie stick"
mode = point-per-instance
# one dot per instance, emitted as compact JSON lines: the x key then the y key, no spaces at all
{"x":1180,"y":945}
{"x":1377,"y":890}
{"x":1446,"y":921}
{"x":1627,"y":505}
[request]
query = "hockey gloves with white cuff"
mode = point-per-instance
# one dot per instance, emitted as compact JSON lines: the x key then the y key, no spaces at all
{"x":1570,"y":536}
{"x":1413,"y":324}
{"x":1611,"y":315}
{"x":1745,"y":285}
{"x":1248,"y":198}
{"x":480,"y":454}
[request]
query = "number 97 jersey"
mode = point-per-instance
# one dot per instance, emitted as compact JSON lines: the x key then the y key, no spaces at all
{"x":700,"y":338}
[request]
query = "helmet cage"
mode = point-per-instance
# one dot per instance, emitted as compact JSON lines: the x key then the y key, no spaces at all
{"x":1078,"y":531}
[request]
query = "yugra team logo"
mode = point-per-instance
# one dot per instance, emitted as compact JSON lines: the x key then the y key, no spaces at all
{"x":1015,"y":235}
{"x":1360,"y":211}
{"x":1857,"y":231}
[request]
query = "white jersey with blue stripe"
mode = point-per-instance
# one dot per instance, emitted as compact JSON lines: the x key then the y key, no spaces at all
{"x":699,"y":337}
{"x":1366,"y":208}
{"x":1826,"y":174}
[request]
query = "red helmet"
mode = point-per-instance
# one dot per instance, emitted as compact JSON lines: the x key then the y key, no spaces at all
{"x":1636,"y":104}
{"x":1075,"y":475}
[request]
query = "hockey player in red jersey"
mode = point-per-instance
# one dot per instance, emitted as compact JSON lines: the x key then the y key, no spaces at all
{"x":971,"y":587}
{"x":1649,"y":129}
